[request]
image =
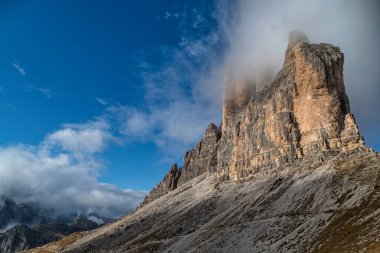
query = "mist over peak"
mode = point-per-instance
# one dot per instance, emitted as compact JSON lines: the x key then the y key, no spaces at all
{"x":257,"y":33}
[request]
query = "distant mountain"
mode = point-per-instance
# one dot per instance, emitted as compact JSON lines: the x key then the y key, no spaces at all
{"x":24,"y":226}
{"x":287,"y":171}
{"x":21,"y":237}
{"x":14,"y":213}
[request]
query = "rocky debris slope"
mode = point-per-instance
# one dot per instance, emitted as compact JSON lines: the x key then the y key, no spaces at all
{"x":21,"y":237}
{"x":324,"y":207}
{"x":287,"y":171}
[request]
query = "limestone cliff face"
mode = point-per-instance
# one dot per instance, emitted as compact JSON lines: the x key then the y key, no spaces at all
{"x":303,"y":115}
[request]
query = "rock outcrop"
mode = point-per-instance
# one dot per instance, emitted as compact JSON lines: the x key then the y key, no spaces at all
{"x":201,"y":159}
{"x":303,"y":114}
{"x":168,"y":184}
{"x":287,"y":171}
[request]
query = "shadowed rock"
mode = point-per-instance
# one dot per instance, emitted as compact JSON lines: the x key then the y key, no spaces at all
{"x":21,"y":237}
{"x":201,"y":159}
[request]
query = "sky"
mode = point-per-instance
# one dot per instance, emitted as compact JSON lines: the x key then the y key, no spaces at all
{"x":100,"y":98}
{"x":61,"y":60}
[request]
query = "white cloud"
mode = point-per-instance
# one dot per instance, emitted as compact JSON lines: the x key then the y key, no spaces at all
{"x":44,"y":91}
{"x":62,"y":173}
{"x":80,"y":139}
{"x":18,"y":67}
{"x":257,"y":33}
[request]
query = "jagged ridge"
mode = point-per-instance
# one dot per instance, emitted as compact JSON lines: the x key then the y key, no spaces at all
{"x":303,"y":115}
{"x":201,"y":159}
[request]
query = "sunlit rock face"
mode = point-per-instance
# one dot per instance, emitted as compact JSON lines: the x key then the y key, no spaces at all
{"x":300,"y":115}
{"x":303,"y":113}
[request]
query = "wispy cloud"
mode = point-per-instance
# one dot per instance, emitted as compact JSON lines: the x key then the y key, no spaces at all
{"x":18,"y":67}
{"x":44,"y":91}
{"x":101,"y":101}
{"x":173,"y":15}
{"x":258,"y":31}
{"x":183,"y":94}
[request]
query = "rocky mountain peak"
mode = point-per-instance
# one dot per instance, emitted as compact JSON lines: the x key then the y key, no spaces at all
{"x":303,"y":116}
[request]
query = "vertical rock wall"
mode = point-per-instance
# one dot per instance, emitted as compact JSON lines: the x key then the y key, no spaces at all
{"x":302,"y":114}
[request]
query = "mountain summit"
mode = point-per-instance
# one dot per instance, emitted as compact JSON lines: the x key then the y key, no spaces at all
{"x":303,"y":116}
{"x":287,"y":171}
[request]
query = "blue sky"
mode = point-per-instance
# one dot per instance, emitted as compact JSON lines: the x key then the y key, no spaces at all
{"x":72,"y":52}
{"x":115,"y":92}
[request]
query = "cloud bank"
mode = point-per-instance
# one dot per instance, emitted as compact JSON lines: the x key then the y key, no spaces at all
{"x":258,"y":32}
{"x":184,"y":94}
{"x":61,"y":174}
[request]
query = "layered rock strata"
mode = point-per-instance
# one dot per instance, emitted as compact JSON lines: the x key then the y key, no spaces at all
{"x":304,"y":112}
